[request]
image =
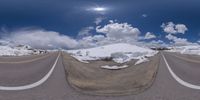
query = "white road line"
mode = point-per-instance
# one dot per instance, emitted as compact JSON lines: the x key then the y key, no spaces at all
{"x":29,"y":86}
{"x":179,"y":80}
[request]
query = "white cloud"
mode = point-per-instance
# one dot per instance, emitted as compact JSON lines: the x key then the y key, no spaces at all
{"x":144,"y":15}
{"x":156,"y":43}
{"x":115,"y":33}
{"x":119,"y":31}
{"x":97,"y":40}
{"x":42,"y":39}
{"x":149,"y":35}
{"x":98,"y":20}
{"x":39,"y":38}
{"x":172,"y":28}
{"x":178,"y":41}
{"x":90,"y":41}
{"x":169,"y":28}
{"x":181,"y":28}
{"x":85,"y":31}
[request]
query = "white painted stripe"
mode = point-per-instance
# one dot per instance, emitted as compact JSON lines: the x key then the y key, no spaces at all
{"x":29,"y":86}
{"x":179,"y":80}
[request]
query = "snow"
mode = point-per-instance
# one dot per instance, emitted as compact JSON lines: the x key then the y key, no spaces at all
{"x":119,"y":53}
{"x":114,"y":67}
{"x":192,"y":49}
{"x":20,"y":50}
{"x":141,"y":60}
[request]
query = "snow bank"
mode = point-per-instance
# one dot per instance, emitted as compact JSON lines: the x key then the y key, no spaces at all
{"x":8,"y":51}
{"x":119,"y":53}
{"x":18,"y":50}
{"x":114,"y":67}
{"x":194,"y":49}
{"x":141,"y":60}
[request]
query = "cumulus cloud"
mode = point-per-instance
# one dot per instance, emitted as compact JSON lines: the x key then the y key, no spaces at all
{"x":42,"y":39}
{"x":97,"y":40}
{"x":98,"y":20}
{"x":156,"y":43}
{"x":91,"y":41}
{"x":178,"y":41}
{"x":149,"y":35}
{"x":181,"y":28}
{"x":144,"y":15}
{"x":119,"y":31}
{"x":85,"y":31}
{"x":172,"y":28}
{"x":115,"y":32}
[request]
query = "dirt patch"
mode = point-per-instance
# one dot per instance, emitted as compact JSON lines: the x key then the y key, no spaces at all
{"x":92,"y":79}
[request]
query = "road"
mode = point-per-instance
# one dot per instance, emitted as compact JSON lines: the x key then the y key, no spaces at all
{"x":32,"y":69}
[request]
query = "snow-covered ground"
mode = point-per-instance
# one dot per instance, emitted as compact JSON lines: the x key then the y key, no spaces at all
{"x":119,"y":53}
{"x":20,"y":50}
{"x":193,"y":49}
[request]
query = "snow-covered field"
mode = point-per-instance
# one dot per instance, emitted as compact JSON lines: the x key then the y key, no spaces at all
{"x":119,"y":53}
{"x":193,"y":49}
{"x":21,"y":50}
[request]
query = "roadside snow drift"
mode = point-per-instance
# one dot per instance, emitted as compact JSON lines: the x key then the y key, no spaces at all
{"x":18,"y":51}
{"x":194,"y":49}
{"x":114,"y":67}
{"x":119,"y":53}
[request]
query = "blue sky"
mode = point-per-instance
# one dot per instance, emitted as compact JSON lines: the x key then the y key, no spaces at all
{"x":69,"y":17}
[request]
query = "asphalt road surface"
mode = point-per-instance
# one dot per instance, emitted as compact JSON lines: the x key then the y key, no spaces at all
{"x":43,"y":78}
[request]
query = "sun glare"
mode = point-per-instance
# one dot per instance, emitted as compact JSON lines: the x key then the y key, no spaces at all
{"x":99,"y":9}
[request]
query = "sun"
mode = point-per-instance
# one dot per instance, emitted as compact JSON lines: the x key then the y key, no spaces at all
{"x":99,"y":9}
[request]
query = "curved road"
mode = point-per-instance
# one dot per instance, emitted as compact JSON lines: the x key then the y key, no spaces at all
{"x":56,"y":87}
{"x":25,"y":71}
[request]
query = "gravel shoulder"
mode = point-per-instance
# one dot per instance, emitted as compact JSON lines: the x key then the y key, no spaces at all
{"x":90,"y":78}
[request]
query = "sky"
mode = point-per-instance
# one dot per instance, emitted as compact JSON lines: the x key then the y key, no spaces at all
{"x":85,"y":23}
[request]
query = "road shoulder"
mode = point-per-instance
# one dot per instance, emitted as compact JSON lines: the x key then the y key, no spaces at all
{"x":91,"y":79}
